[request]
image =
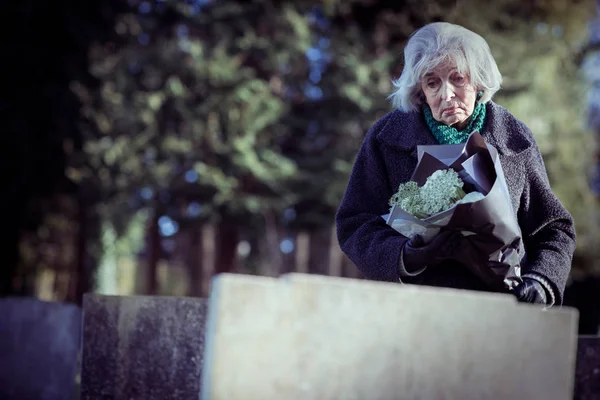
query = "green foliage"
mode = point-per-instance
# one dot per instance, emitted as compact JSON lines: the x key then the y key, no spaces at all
{"x":211,"y":101}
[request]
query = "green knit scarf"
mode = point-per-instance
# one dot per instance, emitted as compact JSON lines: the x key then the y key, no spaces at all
{"x":445,"y":134}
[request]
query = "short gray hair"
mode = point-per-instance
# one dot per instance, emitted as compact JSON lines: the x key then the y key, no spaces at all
{"x":436,"y":43}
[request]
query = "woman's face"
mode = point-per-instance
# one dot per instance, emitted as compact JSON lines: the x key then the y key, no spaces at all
{"x":450,"y":95}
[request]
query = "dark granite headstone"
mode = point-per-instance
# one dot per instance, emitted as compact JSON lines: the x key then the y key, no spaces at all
{"x":587,"y":375}
{"x":39,"y":344}
{"x":142,"y":347}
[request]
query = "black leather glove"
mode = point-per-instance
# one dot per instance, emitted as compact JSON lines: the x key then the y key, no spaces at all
{"x":531,"y":291}
{"x":417,"y":254}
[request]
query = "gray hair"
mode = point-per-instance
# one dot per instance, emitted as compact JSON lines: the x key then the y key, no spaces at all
{"x":435,"y":44}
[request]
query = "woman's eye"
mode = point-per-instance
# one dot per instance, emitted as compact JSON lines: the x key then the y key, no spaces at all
{"x":431,"y":84}
{"x":459,"y":79}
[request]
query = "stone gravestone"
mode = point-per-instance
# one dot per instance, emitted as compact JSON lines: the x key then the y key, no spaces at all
{"x":39,"y":344}
{"x":142,"y":347}
{"x":587,"y":378}
{"x":313,"y":337}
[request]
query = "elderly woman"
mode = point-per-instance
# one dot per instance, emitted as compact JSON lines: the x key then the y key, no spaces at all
{"x":444,"y":94}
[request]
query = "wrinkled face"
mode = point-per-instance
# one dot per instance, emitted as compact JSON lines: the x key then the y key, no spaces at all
{"x":450,"y":95}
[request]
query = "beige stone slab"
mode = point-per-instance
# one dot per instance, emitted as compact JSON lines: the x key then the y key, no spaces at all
{"x":315,"y":337}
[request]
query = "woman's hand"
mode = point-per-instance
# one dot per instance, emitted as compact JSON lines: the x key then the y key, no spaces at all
{"x":417,"y":254}
{"x":531,"y":291}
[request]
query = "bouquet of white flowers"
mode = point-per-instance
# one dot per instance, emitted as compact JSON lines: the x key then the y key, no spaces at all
{"x":442,"y":190}
{"x":462,"y":188}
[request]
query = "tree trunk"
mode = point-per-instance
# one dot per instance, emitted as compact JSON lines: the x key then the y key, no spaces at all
{"x":227,"y":236}
{"x":195,"y":255}
{"x":319,"y":244}
{"x":349,"y":270}
{"x":209,"y":255}
{"x":336,"y":261}
{"x":57,"y":287}
{"x":288,"y":260}
{"x":10,"y":254}
{"x":279,"y":262}
{"x":80,"y":279}
{"x":302,"y":252}
{"x":154,"y":253}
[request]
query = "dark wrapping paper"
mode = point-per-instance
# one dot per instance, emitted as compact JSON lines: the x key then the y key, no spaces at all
{"x":491,"y":233}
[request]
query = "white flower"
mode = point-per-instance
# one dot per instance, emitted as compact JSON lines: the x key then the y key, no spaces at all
{"x":440,"y":192}
{"x":408,"y":197}
{"x":406,"y":190}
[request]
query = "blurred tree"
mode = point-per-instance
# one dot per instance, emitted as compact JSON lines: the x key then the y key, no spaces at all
{"x":39,"y":114}
{"x":194,"y":110}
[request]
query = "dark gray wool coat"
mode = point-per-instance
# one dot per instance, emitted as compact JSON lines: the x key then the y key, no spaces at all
{"x":388,"y":157}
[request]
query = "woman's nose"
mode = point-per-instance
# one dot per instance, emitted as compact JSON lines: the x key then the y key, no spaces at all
{"x":447,"y":92}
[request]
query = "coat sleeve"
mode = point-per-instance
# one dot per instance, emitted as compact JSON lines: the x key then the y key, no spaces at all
{"x":372,"y":245}
{"x":548,"y":228}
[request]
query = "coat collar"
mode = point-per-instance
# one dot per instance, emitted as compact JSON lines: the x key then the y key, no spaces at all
{"x":407,"y":130}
